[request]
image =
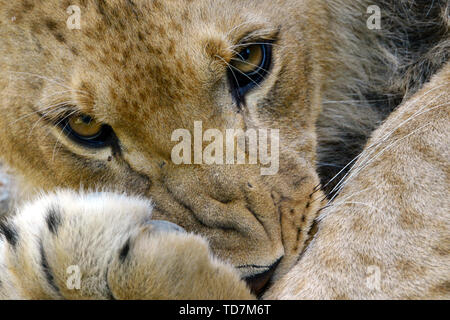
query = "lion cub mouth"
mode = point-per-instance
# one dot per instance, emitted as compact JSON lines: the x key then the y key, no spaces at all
{"x":258,"y":283}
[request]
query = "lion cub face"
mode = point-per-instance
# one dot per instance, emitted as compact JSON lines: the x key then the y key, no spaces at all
{"x":99,"y":106}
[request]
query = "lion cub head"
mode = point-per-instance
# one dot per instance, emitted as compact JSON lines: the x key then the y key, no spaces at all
{"x":109,"y":103}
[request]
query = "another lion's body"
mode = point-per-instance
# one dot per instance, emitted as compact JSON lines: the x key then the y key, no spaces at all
{"x":148,"y":68}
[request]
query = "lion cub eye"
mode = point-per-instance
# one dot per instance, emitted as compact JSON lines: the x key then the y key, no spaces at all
{"x":85,"y":126}
{"x":250,"y":67}
{"x":249,"y":59}
{"x":87,"y":131}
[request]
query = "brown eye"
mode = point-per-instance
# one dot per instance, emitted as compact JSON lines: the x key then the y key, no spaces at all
{"x":85,"y":127}
{"x":249,"y":59}
{"x":249,"y":68}
{"x":88,"y":132}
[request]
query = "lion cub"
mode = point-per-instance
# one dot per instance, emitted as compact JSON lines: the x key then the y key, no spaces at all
{"x":103,"y":104}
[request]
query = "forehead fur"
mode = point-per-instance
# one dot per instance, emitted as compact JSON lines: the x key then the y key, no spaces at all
{"x":128,"y":52}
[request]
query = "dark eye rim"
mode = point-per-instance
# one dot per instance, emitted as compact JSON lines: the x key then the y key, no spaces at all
{"x":242,"y":84}
{"x":105,"y":138}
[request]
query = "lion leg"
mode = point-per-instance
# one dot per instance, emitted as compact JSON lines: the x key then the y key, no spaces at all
{"x":105,"y":246}
{"x":387,"y":235}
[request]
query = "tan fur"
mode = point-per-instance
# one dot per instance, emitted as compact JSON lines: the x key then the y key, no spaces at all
{"x":117,"y":78}
{"x":392,"y":213}
{"x":147,"y":68}
{"x":92,"y":231}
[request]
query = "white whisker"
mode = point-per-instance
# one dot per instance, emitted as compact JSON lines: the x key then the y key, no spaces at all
{"x":228,"y":66}
{"x":45,"y":114}
{"x":371,"y":148}
{"x":58,"y":142}
{"x":358,"y":170}
{"x":358,"y":203}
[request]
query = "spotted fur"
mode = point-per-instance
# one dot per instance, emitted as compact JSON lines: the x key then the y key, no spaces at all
{"x":147,"y":68}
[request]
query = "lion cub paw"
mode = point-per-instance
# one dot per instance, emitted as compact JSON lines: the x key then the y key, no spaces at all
{"x":105,"y":246}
